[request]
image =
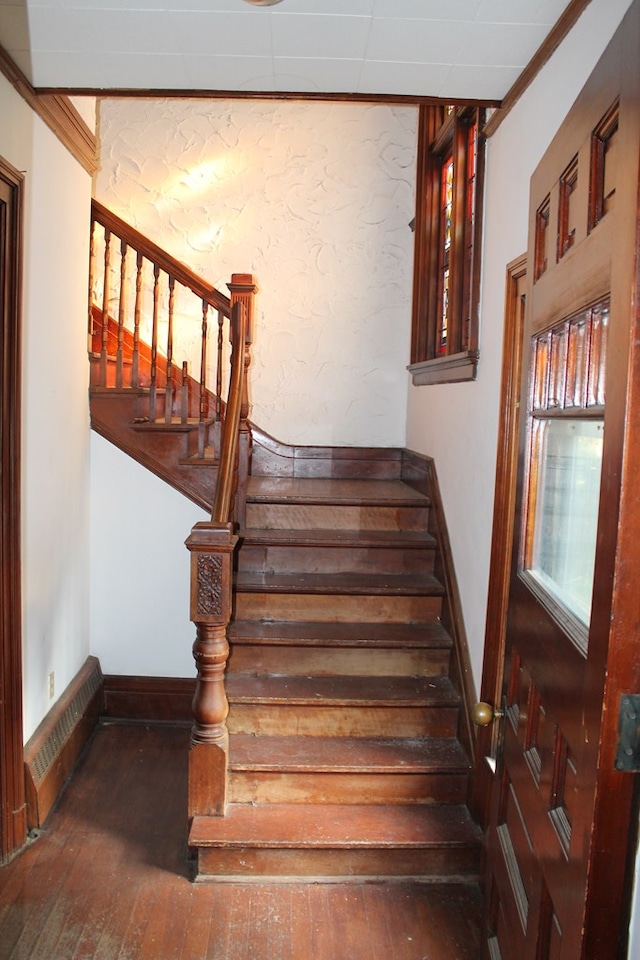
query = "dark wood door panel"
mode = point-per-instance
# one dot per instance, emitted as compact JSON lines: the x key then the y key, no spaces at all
{"x":562,"y":816}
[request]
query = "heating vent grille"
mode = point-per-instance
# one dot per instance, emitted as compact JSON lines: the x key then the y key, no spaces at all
{"x":65,"y":725}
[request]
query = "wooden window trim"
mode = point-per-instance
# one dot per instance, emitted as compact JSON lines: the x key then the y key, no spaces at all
{"x":441,"y":136}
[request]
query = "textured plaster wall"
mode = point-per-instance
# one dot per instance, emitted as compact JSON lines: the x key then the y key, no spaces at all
{"x":55,"y":410}
{"x":315,"y":200}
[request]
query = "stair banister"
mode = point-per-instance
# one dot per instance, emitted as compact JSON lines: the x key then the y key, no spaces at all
{"x":211,"y":546}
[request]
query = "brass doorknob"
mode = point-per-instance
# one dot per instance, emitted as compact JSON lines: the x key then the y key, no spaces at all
{"x":483,"y":714}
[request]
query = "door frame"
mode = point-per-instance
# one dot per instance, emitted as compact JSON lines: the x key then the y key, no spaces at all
{"x":502,"y":532}
{"x":13,"y":829}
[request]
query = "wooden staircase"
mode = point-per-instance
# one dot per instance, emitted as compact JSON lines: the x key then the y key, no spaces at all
{"x":344,"y":760}
{"x":346,"y":749}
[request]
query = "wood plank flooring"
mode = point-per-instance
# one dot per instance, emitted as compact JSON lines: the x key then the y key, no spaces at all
{"x":108,"y":879}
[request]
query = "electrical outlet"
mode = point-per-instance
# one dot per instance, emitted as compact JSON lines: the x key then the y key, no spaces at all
{"x":52,"y":685}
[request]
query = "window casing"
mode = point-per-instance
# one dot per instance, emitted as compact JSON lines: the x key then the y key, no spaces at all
{"x":450,"y":177}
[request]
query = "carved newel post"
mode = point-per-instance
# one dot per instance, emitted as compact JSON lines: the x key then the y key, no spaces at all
{"x":211,"y":546}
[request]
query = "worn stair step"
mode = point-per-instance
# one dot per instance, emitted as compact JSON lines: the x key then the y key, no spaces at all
{"x":355,"y":584}
{"x":336,"y":840}
{"x":291,"y":503}
{"x":319,"y":490}
{"x":359,"y":634}
{"x":341,"y":607}
{"x":350,"y":597}
{"x":342,"y":706}
{"x":347,"y":770}
{"x":324,"y":551}
{"x":339,"y":648}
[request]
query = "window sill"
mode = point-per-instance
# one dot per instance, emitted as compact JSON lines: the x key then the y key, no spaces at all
{"x":456,"y":368}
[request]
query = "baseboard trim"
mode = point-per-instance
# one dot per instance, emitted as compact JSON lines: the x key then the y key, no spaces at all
{"x":148,"y":699}
{"x":419,"y":471}
{"x":52,"y":752}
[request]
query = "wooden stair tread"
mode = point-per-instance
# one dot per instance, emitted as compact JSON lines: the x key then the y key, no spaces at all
{"x":405,"y":539}
{"x":333,"y":826}
{"x":352,"y":584}
{"x":175,"y":425}
{"x":347,"y":754}
{"x":347,"y":634}
{"x":342,"y":691}
{"x":332,"y":491}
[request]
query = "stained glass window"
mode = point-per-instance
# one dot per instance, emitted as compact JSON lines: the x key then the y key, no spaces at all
{"x":448,"y":231}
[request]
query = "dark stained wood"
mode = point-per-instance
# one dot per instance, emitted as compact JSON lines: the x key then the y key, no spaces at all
{"x":165,"y":450}
{"x":502,"y":535}
{"x":564,"y":820}
{"x":271,"y":458}
{"x":355,"y":584}
{"x":160,"y":257}
{"x":551,"y":43}
{"x":347,"y":770}
{"x":12,"y":791}
{"x":53,"y":750}
{"x":109,"y":874}
{"x":316,"y":841}
{"x":420,"y":473}
{"x":339,"y":648}
{"x":149,"y":699}
{"x":59,"y":114}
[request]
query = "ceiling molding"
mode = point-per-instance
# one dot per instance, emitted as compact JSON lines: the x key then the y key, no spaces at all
{"x":407,"y":100}
{"x":544,"y":53}
{"x":59,"y":114}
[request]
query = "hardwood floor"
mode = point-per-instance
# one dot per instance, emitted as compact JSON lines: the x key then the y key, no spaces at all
{"x":109,"y":879}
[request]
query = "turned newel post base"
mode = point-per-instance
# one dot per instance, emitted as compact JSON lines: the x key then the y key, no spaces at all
{"x":211,"y":546}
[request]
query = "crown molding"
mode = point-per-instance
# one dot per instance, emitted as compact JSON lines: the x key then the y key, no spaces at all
{"x":59,"y":114}
{"x":544,"y":53}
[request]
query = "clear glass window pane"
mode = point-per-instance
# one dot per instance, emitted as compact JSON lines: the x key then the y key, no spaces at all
{"x":568,"y":458}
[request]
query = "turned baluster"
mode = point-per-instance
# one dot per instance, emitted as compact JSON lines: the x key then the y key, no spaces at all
{"x":121,"y":311}
{"x":184,"y":400}
{"x":154,"y":344}
{"x":168,"y":409}
{"x":219,"y":366}
{"x":104,"y":354}
{"x":92,"y":270}
{"x":135,"y":359}
{"x":203,"y":405}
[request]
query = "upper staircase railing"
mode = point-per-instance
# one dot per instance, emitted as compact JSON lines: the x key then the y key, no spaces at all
{"x":146,"y":305}
{"x":149,"y":307}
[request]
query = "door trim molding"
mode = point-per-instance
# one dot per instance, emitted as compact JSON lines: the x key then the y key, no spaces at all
{"x":12,"y":789}
{"x":502,"y":531}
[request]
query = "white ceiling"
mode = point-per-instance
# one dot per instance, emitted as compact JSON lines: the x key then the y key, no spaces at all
{"x":467,"y":49}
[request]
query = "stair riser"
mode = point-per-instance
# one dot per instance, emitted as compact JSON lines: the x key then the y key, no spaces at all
{"x":301,"y":661}
{"x":293,"y":719}
{"x":289,"y":559}
{"x":311,"y":787}
{"x":332,"y":609}
{"x":295,"y":516}
{"x":443,"y":863}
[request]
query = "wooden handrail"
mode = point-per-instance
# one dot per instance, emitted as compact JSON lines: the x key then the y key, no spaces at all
{"x":164,"y":388}
{"x":157,"y":255}
{"x":227,"y":469}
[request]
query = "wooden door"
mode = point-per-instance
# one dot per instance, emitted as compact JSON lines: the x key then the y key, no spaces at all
{"x":562,"y":810}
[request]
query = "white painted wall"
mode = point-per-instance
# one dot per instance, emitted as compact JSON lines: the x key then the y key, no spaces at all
{"x":315,"y":200}
{"x":457,"y":424}
{"x":139,"y":568}
{"x":55,"y":438}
